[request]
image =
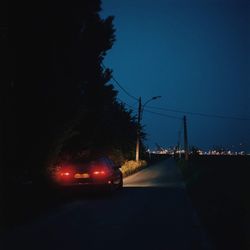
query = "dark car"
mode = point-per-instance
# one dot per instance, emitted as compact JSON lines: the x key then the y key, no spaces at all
{"x":100,"y":173}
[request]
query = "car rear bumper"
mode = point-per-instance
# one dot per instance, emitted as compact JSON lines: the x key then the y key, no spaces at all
{"x":86,"y":188}
{"x":88,"y":183}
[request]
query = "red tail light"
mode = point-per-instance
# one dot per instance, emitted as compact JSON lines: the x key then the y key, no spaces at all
{"x":65,"y":174}
{"x":100,"y":171}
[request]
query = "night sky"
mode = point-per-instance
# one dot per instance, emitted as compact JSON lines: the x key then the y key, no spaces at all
{"x":195,"y":54}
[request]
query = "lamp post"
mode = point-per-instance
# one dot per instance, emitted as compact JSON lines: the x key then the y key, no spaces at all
{"x":140,"y":111}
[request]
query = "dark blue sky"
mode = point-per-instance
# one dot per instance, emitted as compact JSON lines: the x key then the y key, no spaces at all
{"x":195,"y":54}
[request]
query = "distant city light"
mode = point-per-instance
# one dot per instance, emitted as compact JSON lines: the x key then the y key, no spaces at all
{"x":173,"y":151}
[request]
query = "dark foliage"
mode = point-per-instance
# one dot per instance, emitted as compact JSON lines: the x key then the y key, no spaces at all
{"x":61,"y":102}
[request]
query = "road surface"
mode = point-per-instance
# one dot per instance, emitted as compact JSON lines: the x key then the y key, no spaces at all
{"x":151,"y":212}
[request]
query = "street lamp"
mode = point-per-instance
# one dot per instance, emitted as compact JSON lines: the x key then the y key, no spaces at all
{"x":140,"y":110}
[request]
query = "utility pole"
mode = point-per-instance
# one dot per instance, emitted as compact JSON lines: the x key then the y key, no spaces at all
{"x":185,"y":138}
{"x":137,"y":157}
{"x":140,"y":111}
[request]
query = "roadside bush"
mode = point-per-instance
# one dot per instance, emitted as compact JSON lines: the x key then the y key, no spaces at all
{"x":130,"y":167}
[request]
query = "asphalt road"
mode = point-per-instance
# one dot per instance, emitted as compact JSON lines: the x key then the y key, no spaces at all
{"x":151,"y":212}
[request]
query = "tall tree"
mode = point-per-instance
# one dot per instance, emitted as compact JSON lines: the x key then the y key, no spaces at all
{"x":64,"y":101}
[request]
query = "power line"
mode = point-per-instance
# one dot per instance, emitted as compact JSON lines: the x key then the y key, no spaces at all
{"x":120,"y":86}
{"x":201,"y":114}
{"x":175,"y":110}
{"x":132,"y":107}
{"x":125,"y":91}
{"x":161,"y":114}
{"x":184,"y":112}
{"x":152,"y":112}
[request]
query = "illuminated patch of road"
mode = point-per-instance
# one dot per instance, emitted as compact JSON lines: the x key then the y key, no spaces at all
{"x":159,"y":175}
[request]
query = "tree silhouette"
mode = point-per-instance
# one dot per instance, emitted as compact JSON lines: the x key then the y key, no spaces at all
{"x":64,"y":102}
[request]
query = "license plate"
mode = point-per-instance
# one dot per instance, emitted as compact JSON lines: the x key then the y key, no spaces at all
{"x":81,"y":176}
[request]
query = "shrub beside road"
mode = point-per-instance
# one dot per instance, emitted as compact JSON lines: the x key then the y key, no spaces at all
{"x":131,"y":167}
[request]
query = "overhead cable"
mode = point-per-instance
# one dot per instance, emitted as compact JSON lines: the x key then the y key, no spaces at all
{"x":120,"y":86}
{"x":201,"y":114}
